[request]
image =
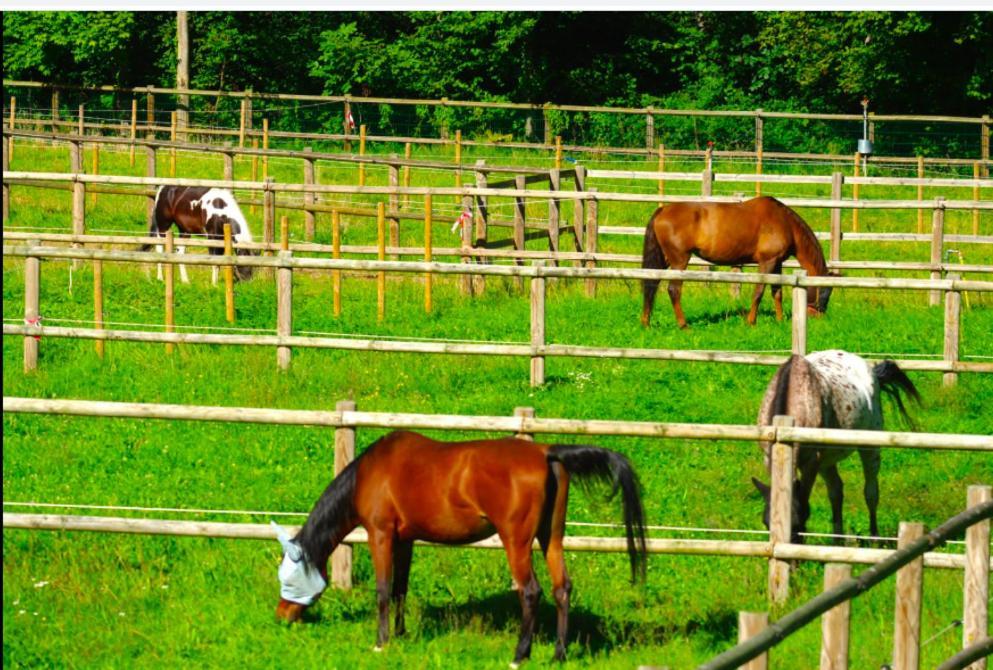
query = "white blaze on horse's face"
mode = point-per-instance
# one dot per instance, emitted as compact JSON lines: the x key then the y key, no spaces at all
{"x":299,"y":582}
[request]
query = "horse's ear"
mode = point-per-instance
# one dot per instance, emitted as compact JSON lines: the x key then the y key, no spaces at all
{"x":763,"y":489}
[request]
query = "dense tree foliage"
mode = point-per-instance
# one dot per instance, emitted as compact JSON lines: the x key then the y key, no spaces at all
{"x":926,"y":62}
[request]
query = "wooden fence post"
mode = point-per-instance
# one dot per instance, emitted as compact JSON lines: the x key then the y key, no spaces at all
{"x":81,"y":121}
{"x":975,"y":196}
{"x":558,"y":152}
{"x":348,"y":124}
{"x":255,"y":165}
{"x":268,"y":221}
{"x":579,"y":212}
{"x":707,"y":182}
{"x":465,"y":232}
{"x":98,"y":304}
{"x":134,"y":128}
{"x":284,"y":310}
{"x":336,"y":253}
{"x":228,"y":166}
{"x":835,"y":622}
{"x":780,"y":511}
{"x":55,"y":109}
{"x":78,"y":195}
{"x":172,"y":138}
{"x":937,"y":246}
{"x":554,"y":183}
{"x":228,"y":276}
{"x":537,"y":326}
{"x":309,"y":220}
{"x":920,"y":195}
{"x":592,"y":238}
{"x":427,"y":251}
{"x":520,"y":212}
{"x":407,"y":148}
{"x":96,"y":170}
{"x":265,"y":148}
{"x":953,"y":311}
{"x":837,"y":179}
{"x":362,"y":153}
{"x":480,"y":218}
{"x":799,"y":316}
{"x":241,"y":123}
{"x":394,"y":207}
{"x":976,"y":592}
{"x":381,"y":275}
{"x":150,"y":172}
{"x":751,"y":624}
{"x":759,"y":146}
{"x":458,"y":158}
{"x":13,"y":121}
{"x":149,"y":113}
{"x":984,"y":144}
{"x":344,"y":453}
{"x":649,"y":131}
{"x":32,"y":292}
{"x":170,"y":289}
{"x":907,"y":620}
{"x":524,"y":413}
{"x":6,"y":186}
{"x":661,"y":170}
{"x":855,"y":193}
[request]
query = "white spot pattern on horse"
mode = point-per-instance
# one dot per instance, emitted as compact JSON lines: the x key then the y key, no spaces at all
{"x":221,"y":202}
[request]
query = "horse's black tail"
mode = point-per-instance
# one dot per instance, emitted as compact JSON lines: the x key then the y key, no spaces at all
{"x":780,"y":399}
{"x":652,"y":258}
{"x":587,"y":462}
{"x":891,"y":381}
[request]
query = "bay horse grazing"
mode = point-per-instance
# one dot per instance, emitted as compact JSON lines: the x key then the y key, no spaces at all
{"x":408,"y":487}
{"x":831,"y":389}
{"x":198,"y":210}
{"x":761,"y":230}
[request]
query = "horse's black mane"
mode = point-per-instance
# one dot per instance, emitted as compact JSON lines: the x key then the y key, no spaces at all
{"x":328,"y":522}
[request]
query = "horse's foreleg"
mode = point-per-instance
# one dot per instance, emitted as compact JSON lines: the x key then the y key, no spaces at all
{"x":871,"y":460}
{"x":402,"y":554}
{"x":836,"y":494}
{"x":183,"y":277}
{"x":381,"y":548}
{"x":756,"y":299}
{"x":528,"y":590}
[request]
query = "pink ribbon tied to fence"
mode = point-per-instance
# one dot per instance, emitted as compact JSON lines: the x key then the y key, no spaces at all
{"x":34,"y":321}
{"x":351,"y":121}
{"x":465,"y":218}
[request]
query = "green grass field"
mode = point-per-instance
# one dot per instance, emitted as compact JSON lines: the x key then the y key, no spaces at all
{"x":97,"y":600}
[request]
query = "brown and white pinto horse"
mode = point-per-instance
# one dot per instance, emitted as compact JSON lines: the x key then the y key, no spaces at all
{"x":197,"y":210}
{"x":408,"y":487}
{"x":761,"y":230}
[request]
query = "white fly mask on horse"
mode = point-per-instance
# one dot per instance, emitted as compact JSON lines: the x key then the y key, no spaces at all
{"x":299,"y":582}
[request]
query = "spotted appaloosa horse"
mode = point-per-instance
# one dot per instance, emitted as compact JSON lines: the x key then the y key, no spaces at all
{"x":761,"y":230}
{"x":831,"y":389}
{"x":408,"y":487}
{"x":197,"y":210}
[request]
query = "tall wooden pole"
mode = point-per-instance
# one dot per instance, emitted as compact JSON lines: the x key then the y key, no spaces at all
{"x":909,"y":583}
{"x":98,"y":304}
{"x":336,"y":253}
{"x":427,"y":251}
{"x":344,"y":453}
{"x":780,"y":512}
{"x":976,"y":605}
{"x":183,"y":70}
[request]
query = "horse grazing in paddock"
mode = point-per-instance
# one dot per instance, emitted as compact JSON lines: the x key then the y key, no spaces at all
{"x":831,"y":389}
{"x":407,"y":487}
{"x":761,"y":230}
{"x":197,"y":210}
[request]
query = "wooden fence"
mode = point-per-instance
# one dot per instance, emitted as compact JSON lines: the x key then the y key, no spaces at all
{"x":651,"y":147}
{"x":536,"y":350}
{"x":777,"y":550}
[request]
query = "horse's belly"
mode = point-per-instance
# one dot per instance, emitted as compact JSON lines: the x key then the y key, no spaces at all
{"x":447,"y":529}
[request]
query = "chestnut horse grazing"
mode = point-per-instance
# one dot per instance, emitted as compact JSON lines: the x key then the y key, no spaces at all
{"x":197,"y":210}
{"x":408,"y":487}
{"x":761,"y":230}
{"x":831,"y":389}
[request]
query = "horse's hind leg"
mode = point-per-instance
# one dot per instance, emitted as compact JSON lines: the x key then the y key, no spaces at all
{"x":676,"y":286}
{"x":871,"y":460}
{"x":528,"y":590}
{"x":550,"y":537}
{"x":836,"y":494}
{"x":402,"y":554}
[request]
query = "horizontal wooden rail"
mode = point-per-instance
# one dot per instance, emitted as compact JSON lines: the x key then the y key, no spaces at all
{"x":496,"y":270}
{"x":259,"y":531}
{"x":472,"y":191}
{"x":502,"y":424}
{"x":509,"y":254}
{"x":786,"y":179}
{"x":444,"y":102}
